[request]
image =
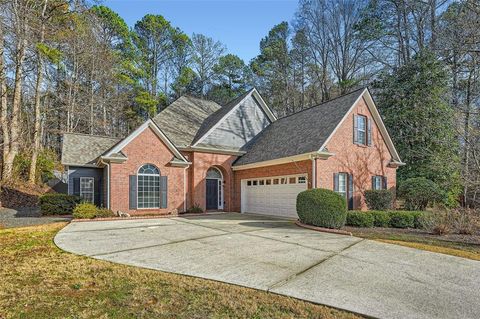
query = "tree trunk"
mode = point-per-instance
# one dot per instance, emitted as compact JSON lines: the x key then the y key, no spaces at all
{"x":3,"y":101}
{"x":38,"y":114}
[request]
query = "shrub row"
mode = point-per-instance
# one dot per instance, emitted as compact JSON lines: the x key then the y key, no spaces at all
{"x":58,"y":204}
{"x":89,"y":211}
{"x":393,"y":218}
{"x":321,"y":207}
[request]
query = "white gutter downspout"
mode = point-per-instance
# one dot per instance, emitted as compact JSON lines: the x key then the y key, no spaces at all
{"x":314,"y":172}
{"x":185,"y":189}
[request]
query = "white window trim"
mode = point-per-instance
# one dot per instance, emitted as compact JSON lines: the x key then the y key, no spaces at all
{"x":159,"y":196}
{"x":93,"y":187}
{"x":364,"y":131}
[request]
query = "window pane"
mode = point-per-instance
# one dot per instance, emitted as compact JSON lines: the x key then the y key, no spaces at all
{"x":87,"y":189}
{"x":261,"y":182}
{"x":302,"y":180}
{"x":292,"y":180}
{"x":268,"y":182}
{"x":148,"y":191}
{"x":249,"y":183}
{"x":275,"y":181}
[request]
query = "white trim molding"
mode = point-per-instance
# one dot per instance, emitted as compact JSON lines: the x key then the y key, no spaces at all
{"x":284,"y":160}
{"x":148,"y":124}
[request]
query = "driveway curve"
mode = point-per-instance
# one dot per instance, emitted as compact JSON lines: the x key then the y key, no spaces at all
{"x":371,"y":278}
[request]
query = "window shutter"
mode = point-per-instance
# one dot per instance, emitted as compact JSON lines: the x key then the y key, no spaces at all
{"x":132,"y":191}
{"x":369,"y":132}
{"x":97,"y":191}
{"x":350,"y":191}
{"x":335,"y":182}
{"x":76,"y":186}
{"x":163,"y":191}
{"x":355,"y":129}
{"x":373,"y":182}
{"x":385,"y":182}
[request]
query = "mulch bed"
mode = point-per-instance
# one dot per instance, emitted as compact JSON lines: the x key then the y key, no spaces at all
{"x":456,"y":238}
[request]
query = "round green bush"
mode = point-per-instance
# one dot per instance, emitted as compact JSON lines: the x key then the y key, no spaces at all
{"x":360,"y":219}
{"x":322,"y":207}
{"x":379,"y":199}
{"x":85,"y":211}
{"x":381,"y":218}
{"x":419,"y":192}
{"x":399,"y":219}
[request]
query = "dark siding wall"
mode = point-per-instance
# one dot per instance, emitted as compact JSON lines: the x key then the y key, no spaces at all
{"x":96,"y":173}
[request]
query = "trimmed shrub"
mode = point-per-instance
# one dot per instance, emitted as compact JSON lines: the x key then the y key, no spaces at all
{"x":359,"y":219}
{"x":85,"y":211}
{"x":104,"y":212}
{"x":58,"y":204}
{"x":379,"y":199}
{"x":419,"y":192}
{"x":195,"y":209}
{"x":401,"y":219}
{"x":322,"y":207}
{"x":380,"y":218}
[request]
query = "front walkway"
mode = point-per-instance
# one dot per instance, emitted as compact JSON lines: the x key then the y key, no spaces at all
{"x":368,"y":277}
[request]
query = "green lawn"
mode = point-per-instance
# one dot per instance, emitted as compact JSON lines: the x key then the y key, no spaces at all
{"x":38,"y":280}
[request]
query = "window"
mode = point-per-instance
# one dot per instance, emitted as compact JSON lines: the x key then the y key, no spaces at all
{"x":268,"y":182}
{"x":302,"y":180}
{"x":261,"y":182}
{"x":249,"y":183}
{"x":378,"y":182}
{"x":342,"y":184}
{"x":148,"y":191}
{"x":87,"y":189}
{"x":275,"y":181}
{"x":283,"y":180}
{"x":361,"y":129}
{"x":254,"y":183}
{"x":292,"y":180}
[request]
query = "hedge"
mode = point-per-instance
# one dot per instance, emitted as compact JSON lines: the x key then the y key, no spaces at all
{"x":360,"y":219}
{"x":89,"y":211}
{"x":322,"y":207}
{"x":58,"y":204}
{"x":392,"y":218}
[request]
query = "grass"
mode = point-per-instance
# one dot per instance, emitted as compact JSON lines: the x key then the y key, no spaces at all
{"x":41,"y":281}
{"x":429,"y":243}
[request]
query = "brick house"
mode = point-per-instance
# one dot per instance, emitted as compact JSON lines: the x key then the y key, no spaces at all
{"x":238,"y":157}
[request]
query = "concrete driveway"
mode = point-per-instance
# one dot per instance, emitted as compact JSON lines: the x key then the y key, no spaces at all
{"x":367,"y":277}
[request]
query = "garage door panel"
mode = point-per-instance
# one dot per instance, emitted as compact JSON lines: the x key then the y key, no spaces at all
{"x":274,"y":199}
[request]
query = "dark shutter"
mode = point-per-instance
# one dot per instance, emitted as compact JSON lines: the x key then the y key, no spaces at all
{"x":373,"y":182}
{"x":76,"y":186}
{"x":350,"y":191}
{"x":384,"y":182}
{"x":355,"y":129}
{"x":369,"y":132}
{"x":97,"y":191}
{"x":163,"y":191}
{"x":132,"y":190}
{"x":335,"y":182}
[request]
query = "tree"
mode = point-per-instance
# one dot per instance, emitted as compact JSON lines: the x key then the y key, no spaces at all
{"x":206,"y":53}
{"x":232,"y":79}
{"x":412,"y":102}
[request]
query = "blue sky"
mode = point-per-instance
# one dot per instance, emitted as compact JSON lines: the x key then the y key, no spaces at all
{"x":239,"y":24}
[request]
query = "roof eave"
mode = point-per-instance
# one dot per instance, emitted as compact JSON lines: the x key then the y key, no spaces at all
{"x":285,"y":160}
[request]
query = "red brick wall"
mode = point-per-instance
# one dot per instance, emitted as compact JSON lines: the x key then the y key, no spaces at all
{"x":146,"y":148}
{"x":361,"y":161}
{"x":268,"y":171}
{"x":197,"y":173}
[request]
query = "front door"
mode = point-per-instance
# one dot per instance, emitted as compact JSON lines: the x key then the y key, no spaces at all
{"x":212,"y":194}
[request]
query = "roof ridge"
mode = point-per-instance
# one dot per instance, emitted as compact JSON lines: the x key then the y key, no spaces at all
{"x":238,"y":96}
{"x":317,"y":105}
{"x":91,"y":135}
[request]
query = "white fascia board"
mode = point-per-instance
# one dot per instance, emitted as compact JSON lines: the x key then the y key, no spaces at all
{"x":378,"y":120}
{"x":148,"y":124}
{"x":284,"y":160}
{"x":258,"y":97}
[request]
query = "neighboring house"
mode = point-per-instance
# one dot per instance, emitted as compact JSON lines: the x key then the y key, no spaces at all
{"x":238,"y":157}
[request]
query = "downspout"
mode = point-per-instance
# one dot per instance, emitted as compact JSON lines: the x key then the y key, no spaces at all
{"x":185,"y":189}
{"x":314,"y":172}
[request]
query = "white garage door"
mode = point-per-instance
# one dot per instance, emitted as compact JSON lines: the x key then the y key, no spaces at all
{"x":273,"y":195}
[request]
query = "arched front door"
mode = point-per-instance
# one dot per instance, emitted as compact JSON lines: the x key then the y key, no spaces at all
{"x":214,"y":187}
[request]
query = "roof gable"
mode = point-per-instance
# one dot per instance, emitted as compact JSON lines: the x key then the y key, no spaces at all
{"x":148,"y":124}
{"x":220,"y":116}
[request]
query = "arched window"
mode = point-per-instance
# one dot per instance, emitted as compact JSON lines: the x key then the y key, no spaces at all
{"x":214,"y":173}
{"x":148,"y":190}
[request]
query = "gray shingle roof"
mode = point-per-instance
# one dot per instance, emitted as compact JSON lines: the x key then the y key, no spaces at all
{"x":299,"y":133}
{"x":218,"y":115}
{"x":83,"y":149}
{"x":182,"y":119}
